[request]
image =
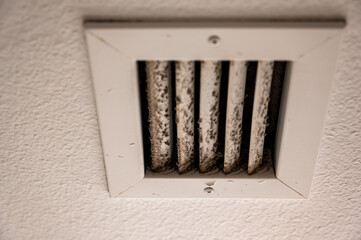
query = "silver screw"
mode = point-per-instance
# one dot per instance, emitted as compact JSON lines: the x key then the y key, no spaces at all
{"x":209,"y":190}
{"x":214,"y":40}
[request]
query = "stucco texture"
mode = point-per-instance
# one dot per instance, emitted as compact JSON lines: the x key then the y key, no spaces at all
{"x":52,"y":178}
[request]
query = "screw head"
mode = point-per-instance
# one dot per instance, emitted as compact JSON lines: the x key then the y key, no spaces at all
{"x":214,"y":40}
{"x":209,"y":190}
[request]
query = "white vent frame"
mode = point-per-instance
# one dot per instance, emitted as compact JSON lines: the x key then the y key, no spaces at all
{"x":115,"y":48}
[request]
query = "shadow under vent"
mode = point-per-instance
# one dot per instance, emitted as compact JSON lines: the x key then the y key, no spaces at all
{"x":208,"y":116}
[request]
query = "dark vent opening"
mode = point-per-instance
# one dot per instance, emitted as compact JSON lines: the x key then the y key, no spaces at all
{"x":197,"y":78}
{"x":247,"y":112}
{"x":142,"y":77}
{"x":173,"y":116}
{"x":222,"y":113}
{"x":274,"y":103}
{"x":279,"y":70}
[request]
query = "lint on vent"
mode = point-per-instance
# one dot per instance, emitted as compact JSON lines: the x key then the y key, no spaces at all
{"x":205,"y":109}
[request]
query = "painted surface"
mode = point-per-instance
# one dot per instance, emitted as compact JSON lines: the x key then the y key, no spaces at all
{"x":52,"y":174}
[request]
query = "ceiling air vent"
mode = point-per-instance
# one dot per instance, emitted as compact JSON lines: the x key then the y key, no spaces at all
{"x":195,"y":111}
{"x":211,"y":109}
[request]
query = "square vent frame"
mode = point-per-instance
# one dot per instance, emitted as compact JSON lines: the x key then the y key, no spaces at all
{"x":309,"y":47}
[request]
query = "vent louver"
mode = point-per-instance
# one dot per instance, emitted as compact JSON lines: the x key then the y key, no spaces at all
{"x":195,"y":118}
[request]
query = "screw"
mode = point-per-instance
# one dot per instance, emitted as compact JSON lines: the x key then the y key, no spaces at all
{"x":209,"y":190}
{"x":214,"y":40}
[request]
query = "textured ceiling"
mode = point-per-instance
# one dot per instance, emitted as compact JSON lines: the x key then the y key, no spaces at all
{"x":52,"y":181}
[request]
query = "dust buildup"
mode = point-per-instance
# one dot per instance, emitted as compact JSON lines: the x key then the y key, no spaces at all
{"x":208,"y":122}
{"x":259,"y":119}
{"x":236,"y":92}
{"x":185,"y":77}
{"x":158,"y":82}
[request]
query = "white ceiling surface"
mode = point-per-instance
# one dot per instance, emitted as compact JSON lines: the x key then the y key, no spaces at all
{"x":52,"y":175}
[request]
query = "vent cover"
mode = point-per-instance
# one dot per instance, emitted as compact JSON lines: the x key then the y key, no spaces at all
{"x":218,"y":54}
{"x":195,"y":113}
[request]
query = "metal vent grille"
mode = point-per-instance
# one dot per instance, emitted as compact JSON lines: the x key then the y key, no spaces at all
{"x":167,"y":125}
{"x":210,"y":116}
